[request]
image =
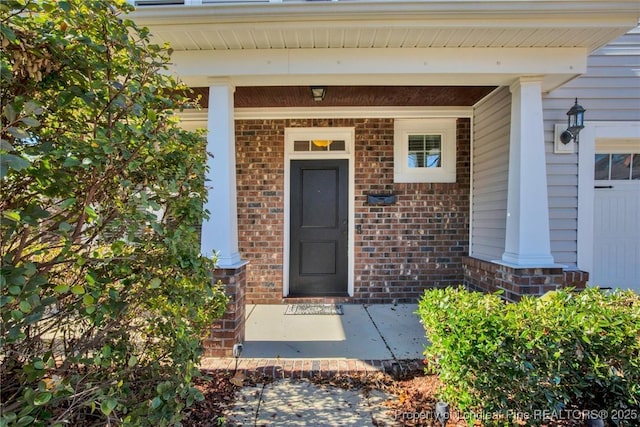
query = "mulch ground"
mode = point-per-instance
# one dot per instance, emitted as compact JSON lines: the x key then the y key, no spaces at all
{"x":413,"y":396}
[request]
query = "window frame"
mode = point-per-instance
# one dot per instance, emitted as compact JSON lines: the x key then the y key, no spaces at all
{"x":446,"y":128}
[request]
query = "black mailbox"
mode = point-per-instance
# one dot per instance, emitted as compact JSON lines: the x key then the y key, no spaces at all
{"x":381,"y":199}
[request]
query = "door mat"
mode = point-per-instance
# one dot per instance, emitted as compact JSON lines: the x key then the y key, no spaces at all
{"x":314,"y":309}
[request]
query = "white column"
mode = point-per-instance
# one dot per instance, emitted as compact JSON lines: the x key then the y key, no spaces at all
{"x":220,"y":231}
{"x":527,"y":241}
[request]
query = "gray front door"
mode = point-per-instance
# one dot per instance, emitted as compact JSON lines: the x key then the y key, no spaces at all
{"x":319,"y":222}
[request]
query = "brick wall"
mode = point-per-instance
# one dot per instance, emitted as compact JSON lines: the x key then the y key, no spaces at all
{"x":260,"y":192}
{"x":418,"y":243}
{"x":489,"y":277}
{"x":229,"y":329}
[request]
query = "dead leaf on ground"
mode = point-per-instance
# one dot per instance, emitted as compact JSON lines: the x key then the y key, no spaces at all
{"x":238,"y":379}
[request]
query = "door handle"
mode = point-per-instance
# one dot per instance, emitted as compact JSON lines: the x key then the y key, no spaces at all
{"x":600,"y":187}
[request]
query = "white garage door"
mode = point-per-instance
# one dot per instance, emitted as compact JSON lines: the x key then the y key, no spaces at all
{"x":617,"y":219}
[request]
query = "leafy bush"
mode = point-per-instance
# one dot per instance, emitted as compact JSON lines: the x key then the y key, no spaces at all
{"x":103,"y":294}
{"x":563,"y":350}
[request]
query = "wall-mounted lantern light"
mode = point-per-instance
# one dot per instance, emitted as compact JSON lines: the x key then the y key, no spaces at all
{"x":318,"y":92}
{"x":575,"y":118}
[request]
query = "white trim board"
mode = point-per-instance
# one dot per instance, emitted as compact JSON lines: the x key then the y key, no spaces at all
{"x":275,"y":113}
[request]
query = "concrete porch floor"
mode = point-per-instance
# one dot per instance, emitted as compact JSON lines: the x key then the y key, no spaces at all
{"x":363,"y":332}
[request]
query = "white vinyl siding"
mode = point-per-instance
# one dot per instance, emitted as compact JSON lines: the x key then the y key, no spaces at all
{"x":490,"y":174}
{"x":609,"y":91}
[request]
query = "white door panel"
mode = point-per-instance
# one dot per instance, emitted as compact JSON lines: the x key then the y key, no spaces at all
{"x":617,"y":235}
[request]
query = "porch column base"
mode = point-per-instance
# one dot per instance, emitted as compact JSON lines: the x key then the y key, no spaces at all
{"x":229,"y":329}
{"x":516,"y":282}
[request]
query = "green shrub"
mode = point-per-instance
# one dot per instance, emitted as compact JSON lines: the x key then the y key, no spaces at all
{"x":538,"y":357}
{"x":104,"y":297}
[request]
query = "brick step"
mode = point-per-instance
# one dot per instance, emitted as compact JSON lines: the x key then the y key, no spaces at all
{"x":308,"y":368}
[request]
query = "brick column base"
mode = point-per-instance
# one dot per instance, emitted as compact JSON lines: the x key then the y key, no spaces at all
{"x":229,"y":329}
{"x":489,"y":277}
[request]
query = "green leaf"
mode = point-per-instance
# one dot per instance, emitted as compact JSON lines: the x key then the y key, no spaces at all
{"x":10,"y":113}
{"x":4,"y":145}
{"x":156,"y":402}
{"x":33,"y":318}
{"x":78,"y":290}
{"x":65,"y":227}
{"x":61,"y":289}
{"x":11,"y":215}
{"x":70,"y":162}
{"x":64,"y":5}
{"x":18,"y":133}
{"x":90,"y":279}
{"x":25,"y":307}
{"x":37,"y":212}
{"x":30,"y":121}
{"x":133,"y":361}
{"x":25,"y":421}
{"x":108,"y":405}
{"x":68,"y":202}
{"x":42,"y":398}
{"x":32,"y":107}
{"x":7,"y":418}
{"x":6,"y":299}
{"x":7,"y":32}
{"x":155,"y":283}
{"x":11,"y":161}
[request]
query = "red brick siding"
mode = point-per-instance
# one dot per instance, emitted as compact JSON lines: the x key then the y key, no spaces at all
{"x":260,"y":187}
{"x":229,"y":329}
{"x":403,"y":249}
{"x":489,"y":277}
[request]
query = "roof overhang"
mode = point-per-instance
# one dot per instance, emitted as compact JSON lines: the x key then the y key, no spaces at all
{"x":453,"y":42}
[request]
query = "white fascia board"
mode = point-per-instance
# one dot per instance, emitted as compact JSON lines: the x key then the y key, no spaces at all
{"x":460,"y":11}
{"x":441,"y":79}
{"x":279,"y":66}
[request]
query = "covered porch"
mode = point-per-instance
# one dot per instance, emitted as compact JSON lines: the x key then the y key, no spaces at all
{"x":484,"y":66}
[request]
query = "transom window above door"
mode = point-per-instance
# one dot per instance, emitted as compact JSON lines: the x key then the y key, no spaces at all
{"x":314,"y":142}
{"x":319,"y":145}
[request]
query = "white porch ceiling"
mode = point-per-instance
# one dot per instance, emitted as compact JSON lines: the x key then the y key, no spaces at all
{"x":240,"y":37}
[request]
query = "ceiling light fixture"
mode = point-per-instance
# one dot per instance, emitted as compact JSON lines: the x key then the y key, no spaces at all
{"x":318,"y":92}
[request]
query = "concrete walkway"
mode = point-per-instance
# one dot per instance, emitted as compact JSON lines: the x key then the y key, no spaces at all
{"x":365,"y":338}
{"x":291,"y":348}
{"x":373,"y":332}
{"x":302,"y":403}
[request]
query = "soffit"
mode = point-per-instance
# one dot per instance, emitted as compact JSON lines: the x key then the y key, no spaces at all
{"x":385,"y":24}
{"x":354,"y":96}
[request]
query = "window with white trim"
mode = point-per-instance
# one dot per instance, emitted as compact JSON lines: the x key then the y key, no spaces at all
{"x":425,"y":150}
